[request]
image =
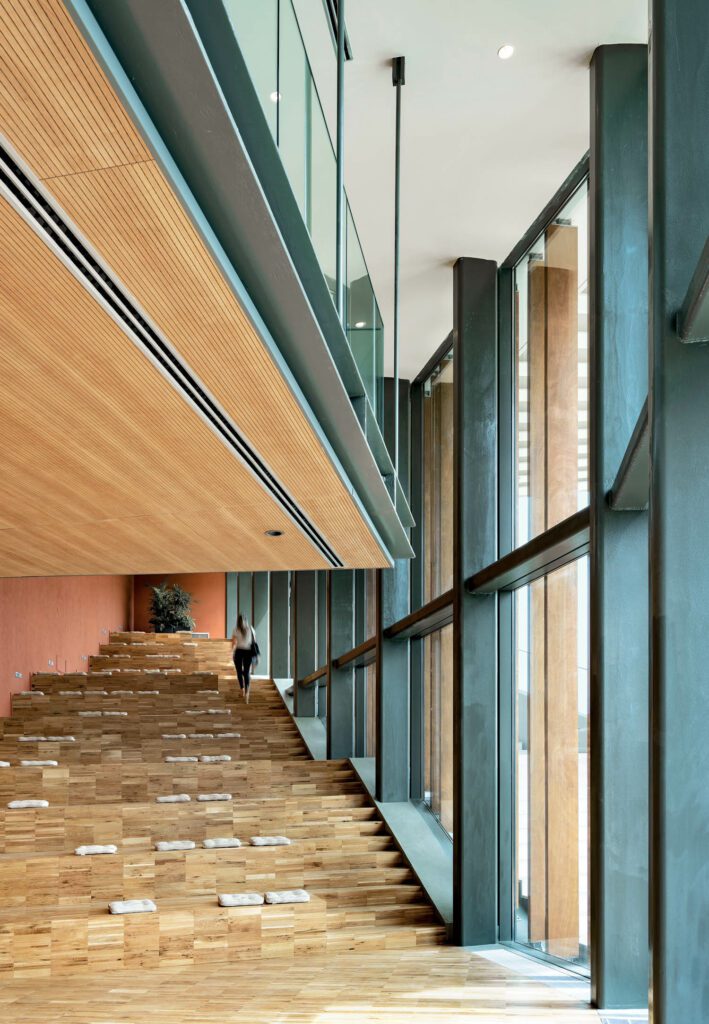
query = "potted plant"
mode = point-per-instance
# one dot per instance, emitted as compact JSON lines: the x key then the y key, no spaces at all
{"x":170,"y":608}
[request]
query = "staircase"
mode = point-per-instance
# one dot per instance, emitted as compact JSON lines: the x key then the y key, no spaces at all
{"x":54,"y":917}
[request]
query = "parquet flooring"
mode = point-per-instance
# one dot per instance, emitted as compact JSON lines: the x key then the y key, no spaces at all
{"x":438,"y":985}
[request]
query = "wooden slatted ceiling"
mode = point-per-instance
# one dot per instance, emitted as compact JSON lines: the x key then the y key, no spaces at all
{"x":58,"y":110}
{"x":104,"y":467}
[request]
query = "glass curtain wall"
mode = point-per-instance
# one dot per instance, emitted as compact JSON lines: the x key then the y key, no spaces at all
{"x":551,"y":425}
{"x":551,"y":614}
{"x":277,"y":62}
{"x":552,"y":770}
{"x":438,"y":724}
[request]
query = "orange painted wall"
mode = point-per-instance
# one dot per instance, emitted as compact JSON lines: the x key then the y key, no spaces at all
{"x":56,"y":618}
{"x":208,"y":591}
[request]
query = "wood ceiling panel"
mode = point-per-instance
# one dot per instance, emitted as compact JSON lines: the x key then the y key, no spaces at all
{"x":55,"y":98}
{"x":104,"y":467}
{"x":62,"y":115}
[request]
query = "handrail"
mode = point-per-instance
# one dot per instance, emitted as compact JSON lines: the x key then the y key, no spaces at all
{"x":562,"y":543}
{"x":362,"y":654}
{"x":314,"y":676}
{"x":431,"y":616}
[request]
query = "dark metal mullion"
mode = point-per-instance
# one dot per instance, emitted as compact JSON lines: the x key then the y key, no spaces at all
{"x":548,"y":214}
{"x":506,"y":412}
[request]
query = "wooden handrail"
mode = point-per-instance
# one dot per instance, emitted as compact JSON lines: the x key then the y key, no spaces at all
{"x":359,"y":654}
{"x":314,"y":676}
{"x":558,"y":545}
{"x":430,"y":617}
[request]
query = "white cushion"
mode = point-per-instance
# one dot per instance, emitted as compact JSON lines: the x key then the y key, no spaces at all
{"x":205,"y":797}
{"x":213,"y":758}
{"x":121,"y":693}
{"x":219,"y":711}
{"x":114,"y":714}
{"x":288,"y":896}
{"x":17,"y":805}
{"x":90,"y":714}
{"x":90,"y":851}
{"x":39,"y":764}
{"x":173,"y":798}
{"x":228,"y":735}
{"x":151,"y":693}
{"x":175,"y":844}
{"x":174,"y":735}
{"x":180,"y":760}
{"x":221,"y":844}
{"x":211,"y":693}
{"x":71,"y":693}
{"x":60,"y":739}
{"x":200,"y":735}
{"x":132,"y":907}
{"x":269,"y":841}
{"x":240,"y":899}
{"x":4,"y":764}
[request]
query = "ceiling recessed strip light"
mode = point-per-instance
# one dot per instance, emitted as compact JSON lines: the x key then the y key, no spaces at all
{"x":275,"y":96}
{"x":506,"y":51}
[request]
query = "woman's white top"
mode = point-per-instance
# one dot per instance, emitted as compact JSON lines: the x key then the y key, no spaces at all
{"x":243,"y":639}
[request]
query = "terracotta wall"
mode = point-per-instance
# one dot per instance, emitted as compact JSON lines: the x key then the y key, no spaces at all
{"x":208,"y":591}
{"x":61,"y":619}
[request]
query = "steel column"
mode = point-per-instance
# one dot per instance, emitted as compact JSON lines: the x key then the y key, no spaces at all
{"x":279,"y":626}
{"x":618,"y":274}
{"x":392,"y":686}
{"x":341,"y":682}
{"x":232,"y":600}
{"x":475,"y":724}
{"x":679,"y":495}
{"x":304,"y":612}
{"x":261,"y":619}
{"x":245,"y":595}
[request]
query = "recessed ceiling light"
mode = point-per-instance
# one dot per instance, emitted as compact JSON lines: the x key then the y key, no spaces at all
{"x":504,"y":53}
{"x":275,"y":97}
{"x":274,"y":533}
{"x":360,"y":323}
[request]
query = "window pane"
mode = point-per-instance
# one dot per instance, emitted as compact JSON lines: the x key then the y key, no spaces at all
{"x":552,"y":742}
{"x":438,"y":724}
{"x":438,"y":480}
{"x":551,"y":318}
{"x":370,"y":672}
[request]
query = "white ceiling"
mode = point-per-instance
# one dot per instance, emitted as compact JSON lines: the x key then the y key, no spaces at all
{"x":485,"y":142}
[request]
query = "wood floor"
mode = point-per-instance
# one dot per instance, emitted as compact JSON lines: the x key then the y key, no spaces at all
{"x":367,"y":947}
{"x":441,"y":985}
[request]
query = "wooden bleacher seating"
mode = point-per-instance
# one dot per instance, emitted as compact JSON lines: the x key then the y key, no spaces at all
{"x":54,"y":918}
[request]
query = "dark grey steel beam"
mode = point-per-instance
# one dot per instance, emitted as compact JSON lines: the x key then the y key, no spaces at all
{"x":679,"y":493}
{"x":693,"y":319}
{"x":475,"y":805}
{"x":341,"y":681}
{"x":618,"y":273}
{"x":279,"y":632}
{"x":304,"y":659}
{"x":630,"y":491}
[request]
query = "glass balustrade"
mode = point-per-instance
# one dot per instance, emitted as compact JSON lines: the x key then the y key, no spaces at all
{"x":272,"y":46}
